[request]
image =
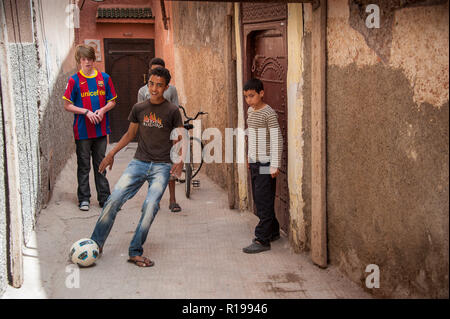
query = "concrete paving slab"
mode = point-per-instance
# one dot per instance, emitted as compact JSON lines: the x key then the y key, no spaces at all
{"x":197,"y":252}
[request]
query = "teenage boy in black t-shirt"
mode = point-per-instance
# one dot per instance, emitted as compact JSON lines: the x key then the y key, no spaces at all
{"x":152,"y":121}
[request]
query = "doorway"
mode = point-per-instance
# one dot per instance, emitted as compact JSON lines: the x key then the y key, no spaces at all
{"x":126,"y":61}
{"x":265,"y":58}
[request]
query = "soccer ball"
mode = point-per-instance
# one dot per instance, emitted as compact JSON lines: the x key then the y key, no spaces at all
{"x":84,"y":252}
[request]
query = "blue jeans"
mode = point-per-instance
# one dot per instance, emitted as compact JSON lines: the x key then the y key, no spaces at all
{"x":135,"y":175}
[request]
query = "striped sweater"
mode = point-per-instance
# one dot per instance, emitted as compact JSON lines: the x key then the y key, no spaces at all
{"x":265,"y":142}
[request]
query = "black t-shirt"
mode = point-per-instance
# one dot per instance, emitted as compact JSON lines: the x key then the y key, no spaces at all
{"x":156,"y":122}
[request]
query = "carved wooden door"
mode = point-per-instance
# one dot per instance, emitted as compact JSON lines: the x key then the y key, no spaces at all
{"x":126,"y":61}
{"x":265,"y":47}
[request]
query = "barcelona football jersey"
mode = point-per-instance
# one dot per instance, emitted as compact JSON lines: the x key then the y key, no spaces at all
{"x":91,"y":93}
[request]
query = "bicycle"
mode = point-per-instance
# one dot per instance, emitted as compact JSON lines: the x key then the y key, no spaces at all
{"x":191,"y":169}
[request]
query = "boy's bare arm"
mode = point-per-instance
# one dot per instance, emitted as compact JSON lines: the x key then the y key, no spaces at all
{"x":124,"y":141}
{"x":177,"y":167}
{"x":108,"y":107}
{"x":92,"y":117}
{"x":274,"y":172}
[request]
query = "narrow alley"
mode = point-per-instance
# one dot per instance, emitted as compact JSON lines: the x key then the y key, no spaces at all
{"x":357,"y":92}
{"x":197,"y":252}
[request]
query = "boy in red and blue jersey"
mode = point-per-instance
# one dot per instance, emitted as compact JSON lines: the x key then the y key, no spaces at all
{"x":90,"y":95}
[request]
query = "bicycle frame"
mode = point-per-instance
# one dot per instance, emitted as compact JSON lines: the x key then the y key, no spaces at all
{"x":189,"y":169}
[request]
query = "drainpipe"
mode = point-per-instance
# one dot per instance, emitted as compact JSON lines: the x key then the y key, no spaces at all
{"x":318,"y":136}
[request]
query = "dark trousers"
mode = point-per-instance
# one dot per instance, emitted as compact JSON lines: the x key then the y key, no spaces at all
{"x":95,"y":148}
{"x":263,"y":189}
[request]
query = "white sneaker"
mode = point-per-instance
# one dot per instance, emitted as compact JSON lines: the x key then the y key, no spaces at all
{"x":84,"y":205}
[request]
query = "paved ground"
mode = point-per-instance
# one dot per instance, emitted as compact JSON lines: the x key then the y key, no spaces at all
{"x":197,"y":253}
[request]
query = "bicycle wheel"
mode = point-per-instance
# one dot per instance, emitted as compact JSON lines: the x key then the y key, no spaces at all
{"x":194,"y":167}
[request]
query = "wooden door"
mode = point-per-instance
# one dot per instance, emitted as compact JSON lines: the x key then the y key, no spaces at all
{"x":126,"y":60}
{"x":265,"y":47}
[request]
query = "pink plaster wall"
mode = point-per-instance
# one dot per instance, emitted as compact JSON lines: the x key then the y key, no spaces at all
{"x":164,"y":38}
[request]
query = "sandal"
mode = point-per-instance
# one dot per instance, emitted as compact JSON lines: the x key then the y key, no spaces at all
{"x":174,"y":207}
{"x":144,"y":262}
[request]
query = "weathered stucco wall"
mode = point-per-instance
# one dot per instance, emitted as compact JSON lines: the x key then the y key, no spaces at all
{"x":301,"y":220}
{"x":200,"y":37}
{"x":38,"y":67}
{"x":387,"y":149}
{"x":24,"y":68}
{"x":39,"y":72}
{"x":297,"y":131}
{"x":306,"y":120}
{"x":164,"y":38}
{"x":54,"y":45}
{"x":242,"y":171}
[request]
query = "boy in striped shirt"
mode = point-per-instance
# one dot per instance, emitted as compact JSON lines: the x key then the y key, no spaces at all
{"x":90,"y":95}
{"x":265,"y":145}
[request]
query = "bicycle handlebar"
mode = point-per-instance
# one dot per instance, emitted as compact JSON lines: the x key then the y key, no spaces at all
{"x":184,"y":111}
{"x":190,"y":118}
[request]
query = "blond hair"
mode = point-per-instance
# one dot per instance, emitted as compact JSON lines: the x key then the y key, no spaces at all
{"x":85,"y":51}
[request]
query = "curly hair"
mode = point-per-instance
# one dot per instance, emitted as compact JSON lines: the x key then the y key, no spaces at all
{"x":161,"y":72}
